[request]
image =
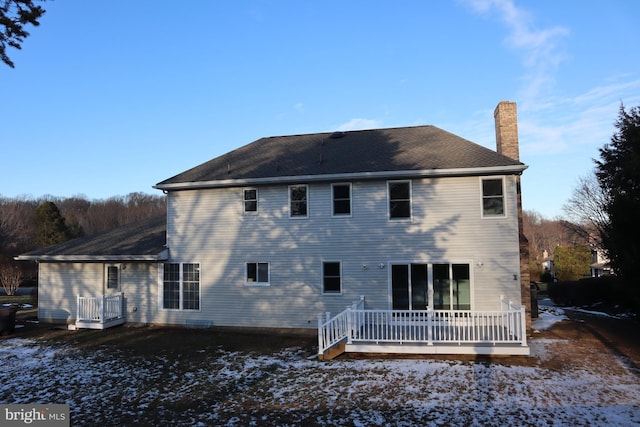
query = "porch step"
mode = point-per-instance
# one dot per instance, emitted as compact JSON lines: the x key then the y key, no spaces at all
{"x":333,"y":352}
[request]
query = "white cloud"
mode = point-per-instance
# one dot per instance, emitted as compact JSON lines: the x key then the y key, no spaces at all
{"x":578,"y":123}
{"x":359,"y":124}
{"x":540,"y":49}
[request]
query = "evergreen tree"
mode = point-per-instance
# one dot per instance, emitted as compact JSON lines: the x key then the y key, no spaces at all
{"x":50,"y":225}
{"x":571,"y":262}
{"x":14,"y":15}
{"x":618,"y":172}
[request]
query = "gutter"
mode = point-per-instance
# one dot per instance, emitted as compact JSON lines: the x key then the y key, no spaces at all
{"x":425,"y":173}
{"x":162,"y":256}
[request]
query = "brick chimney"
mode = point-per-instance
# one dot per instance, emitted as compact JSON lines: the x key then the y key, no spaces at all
{"x":506,"y":118}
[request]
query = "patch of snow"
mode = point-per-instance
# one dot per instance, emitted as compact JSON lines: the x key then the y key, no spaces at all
{"x":233,"y":388}
{"x":547,"y":317}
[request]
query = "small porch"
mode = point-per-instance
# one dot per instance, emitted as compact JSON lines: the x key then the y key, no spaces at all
{"x":423,"y":331}
{"x":99,"y":312}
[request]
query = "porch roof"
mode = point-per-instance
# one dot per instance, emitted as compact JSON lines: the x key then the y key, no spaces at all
{"x":140,"y":241}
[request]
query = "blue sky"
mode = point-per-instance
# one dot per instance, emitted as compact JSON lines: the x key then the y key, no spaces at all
{"x":111,"y":97}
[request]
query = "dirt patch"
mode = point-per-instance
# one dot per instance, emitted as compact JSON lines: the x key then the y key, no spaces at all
{"x":169,"y":340}
{"x":581,"y":339}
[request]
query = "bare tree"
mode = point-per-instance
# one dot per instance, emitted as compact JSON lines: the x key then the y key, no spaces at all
{"x":586,"y":207}
{"x":10,"y":278}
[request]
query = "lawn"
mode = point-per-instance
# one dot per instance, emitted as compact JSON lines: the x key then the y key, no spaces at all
{"x":172,"y":376}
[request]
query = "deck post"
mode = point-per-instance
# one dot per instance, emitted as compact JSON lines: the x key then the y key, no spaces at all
{"x":320,"y":335}
{"x":349,"y":325}
{"x":429,"y":326}
{"x":523,"y":325}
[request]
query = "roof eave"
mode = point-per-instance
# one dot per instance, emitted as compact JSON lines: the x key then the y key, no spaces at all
{"x":425,"y":173}
{"x":162,"y":256}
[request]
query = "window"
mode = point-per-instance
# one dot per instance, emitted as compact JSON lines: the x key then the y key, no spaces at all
{"x":399,"y":199}
{"x":181,"y":286}
{"x":341,"y":194}
{"x":250,"y":198}
{"x":190,"y":286}
{"x":298,"y":201}
{"x":331,"y":282}
{"x":171,"y":287}
{"x":112,"y":277}
{"x":257,"y":273}
{"x":492,"y":197}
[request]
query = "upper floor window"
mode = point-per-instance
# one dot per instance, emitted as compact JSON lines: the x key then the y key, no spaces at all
{"x":341,"y":194}
{"x":492,"y":197}
{"x":331,"y":282}
{"x":250,"y":199}
{"x":298,"y":201}
{"x":399,"y":199}
{"x":257,"y":273}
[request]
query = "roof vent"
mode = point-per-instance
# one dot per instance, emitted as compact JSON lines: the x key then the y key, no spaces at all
{"x":337,"y":135}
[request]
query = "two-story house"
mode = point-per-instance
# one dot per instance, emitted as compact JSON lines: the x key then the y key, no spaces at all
{"x":419,"y":226}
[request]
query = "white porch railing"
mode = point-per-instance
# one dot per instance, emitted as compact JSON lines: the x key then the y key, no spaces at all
{"x":427,"y":327}
{"x":102,"y":311}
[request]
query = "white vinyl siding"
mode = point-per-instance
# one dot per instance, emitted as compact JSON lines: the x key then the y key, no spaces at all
{"x":445,"y":225}
{"x":60,"y":283}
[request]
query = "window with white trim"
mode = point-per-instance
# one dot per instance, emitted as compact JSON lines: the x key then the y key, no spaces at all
{"x":298,"y":198}
{"x":257,"y":273}
{"x":250,"y":200}
{"x":181,"y":286}
{"x":493,"y":204}
{"x":341,"y":195}
{"x":331,"y":277}
{"x":113,"y":277}
{"x":399,"y":199}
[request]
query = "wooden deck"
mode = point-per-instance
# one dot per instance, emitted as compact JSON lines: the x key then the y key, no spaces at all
{"x":424,"y":331}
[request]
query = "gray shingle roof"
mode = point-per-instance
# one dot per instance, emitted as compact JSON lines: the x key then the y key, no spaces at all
{"x":141,"y":241}
{"x":419,"y":148}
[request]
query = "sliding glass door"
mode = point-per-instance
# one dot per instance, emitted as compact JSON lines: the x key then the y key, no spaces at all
{"x":448,"y":284}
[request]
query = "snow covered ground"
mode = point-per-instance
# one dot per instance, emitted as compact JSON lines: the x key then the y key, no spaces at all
{"x":109,"y":387}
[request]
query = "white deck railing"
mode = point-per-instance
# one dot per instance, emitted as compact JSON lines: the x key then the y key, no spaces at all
{"x":430,"y":327}
{"x":99,"y":309}
{"x":331,"y":331}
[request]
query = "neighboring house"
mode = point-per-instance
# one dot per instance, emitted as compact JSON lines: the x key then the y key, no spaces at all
{"x":407,"y":222}
{"x":599,"y":263}
{"x":547,"y":263}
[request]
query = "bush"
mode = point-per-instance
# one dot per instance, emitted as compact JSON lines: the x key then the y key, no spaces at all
{"x":589,"y":291}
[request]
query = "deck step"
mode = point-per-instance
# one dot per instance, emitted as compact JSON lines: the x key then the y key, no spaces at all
{"x":333,"y":352}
